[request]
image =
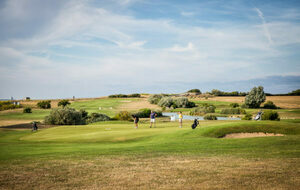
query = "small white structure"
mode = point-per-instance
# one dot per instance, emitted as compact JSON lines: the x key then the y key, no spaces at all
{"x":173,"y":118}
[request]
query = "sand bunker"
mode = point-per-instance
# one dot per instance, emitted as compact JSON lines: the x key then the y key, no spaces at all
{"x":249,"y":135}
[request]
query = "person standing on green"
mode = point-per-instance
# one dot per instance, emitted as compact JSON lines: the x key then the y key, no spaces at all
{"x":152,"y":118}
{"x":180,"y":116}
{"x":136,"y":120}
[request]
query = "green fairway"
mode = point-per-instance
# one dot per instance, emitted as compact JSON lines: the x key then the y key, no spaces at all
{"x":108,"y":106}
{"x":105,"y":149}
{"x":115,"y":138}
{"x":37,"y":114}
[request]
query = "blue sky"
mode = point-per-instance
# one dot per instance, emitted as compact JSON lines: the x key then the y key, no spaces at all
{"x":89,"y":48}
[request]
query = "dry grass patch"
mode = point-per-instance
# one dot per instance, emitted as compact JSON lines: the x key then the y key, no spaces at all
{"x":168,"y":172}
{"x":136,"y":105}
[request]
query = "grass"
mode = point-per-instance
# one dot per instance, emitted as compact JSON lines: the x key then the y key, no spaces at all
{"x":115,"y":155}
{"x":37,"y":114}
{"x":109,"y":106}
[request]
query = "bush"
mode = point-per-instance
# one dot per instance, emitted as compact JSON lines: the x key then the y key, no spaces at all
{"x":248,"y":116}
{"x":270,"y":115}
{"x":210,"y":117}
{"x":155,"y":98}
{"x":95,"y":117}
{"x":46,"y":104}
{"x":118,"y":96}
{"x":143,"y":113}
{"x":84,"y":114}
{"x":270,"y":105}
{"x":166,"y":102}
{"x":136,"y":95}
{"x":234,"y":105}
{"x":124,"y":116}
{"x":197,"y":91}
{"x":6,"y":105}
{"x":233,"y":111}
{"x":183,"y":102}
{"x":295,"y":93}
{"x":203,"y":110}
{"x":27,"y":110}
{"x":63,"y":103}
{"x":255,"y":97}
{"x":244,"y":106}
{"x":65,"y":116}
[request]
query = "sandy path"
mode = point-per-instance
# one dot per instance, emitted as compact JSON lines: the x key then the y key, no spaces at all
{"x":249,"y":135}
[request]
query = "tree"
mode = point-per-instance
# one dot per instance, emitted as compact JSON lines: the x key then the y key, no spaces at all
{"x":63,"y":103}
{"x":255,"y":97}
{"x":197,"y":91}
{"x":46,"y":104}
{"x":216,"y":92}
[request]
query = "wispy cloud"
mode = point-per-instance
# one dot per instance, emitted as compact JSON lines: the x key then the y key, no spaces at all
{"x":265,"y":26}
{"x":94,"y":44}
{"x":187,"y":14}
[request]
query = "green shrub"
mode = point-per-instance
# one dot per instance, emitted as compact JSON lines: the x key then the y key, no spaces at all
{"x":248,"y":116}
{"x":294,"y":93}
{"x":124,"y":116}
{"x":6,"y":105}
{"x":183,"y":102}
{"x":203,"y":110}
{"x":63,"y":103}
{"x":166,"y":102}
{"x":197,"y":91}
{"x":65,"y":116}
{"x":255,"y":97}
{"x":270,"y":105}
{"x":233,"y":111}
{"x":46,"y":104}
{"x":136,"y":95}
{"x":27,"y":110}
{"x":95,"y":117}
{"x":143,"y":113}
{"x":155,"y":98}
{"x":234,"y":105}
{"x":84,"y":114}
{"x":210,"y":117}
{"x":270,"y":115}
{"x":244,"y":106}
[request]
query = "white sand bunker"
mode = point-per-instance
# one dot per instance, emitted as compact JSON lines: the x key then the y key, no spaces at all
{"x":249,"y":135}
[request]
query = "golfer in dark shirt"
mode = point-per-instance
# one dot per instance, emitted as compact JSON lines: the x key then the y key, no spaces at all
{"x":152,"y":118}
{"x":136,"y":120}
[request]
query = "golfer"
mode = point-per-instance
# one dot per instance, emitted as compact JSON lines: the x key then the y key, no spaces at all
{"x":152,"y":118}
{"x":180,"y":119}
{"x":136,"y":120}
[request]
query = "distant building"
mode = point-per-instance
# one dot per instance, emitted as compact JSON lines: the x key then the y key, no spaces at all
{"x":16,"y":103}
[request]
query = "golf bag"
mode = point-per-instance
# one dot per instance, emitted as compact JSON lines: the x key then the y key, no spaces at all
{"x":258,"y":116}
{"x":195,"y":124}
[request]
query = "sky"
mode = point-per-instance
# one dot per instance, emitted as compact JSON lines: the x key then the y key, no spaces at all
{"x":92,"y":48}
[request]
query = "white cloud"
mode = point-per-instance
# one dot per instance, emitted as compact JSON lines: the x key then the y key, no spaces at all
{"x":187,"y":14}
{"x":178,"y":48}
{"x":99,"y":45}
{"x":265,"y":26}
